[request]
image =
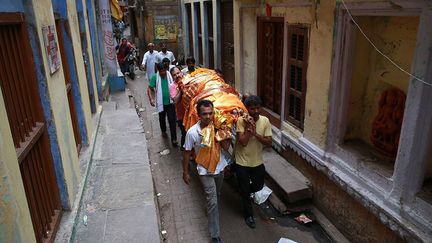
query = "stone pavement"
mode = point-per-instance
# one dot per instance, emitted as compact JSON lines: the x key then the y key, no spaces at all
{"x":118,"y":202}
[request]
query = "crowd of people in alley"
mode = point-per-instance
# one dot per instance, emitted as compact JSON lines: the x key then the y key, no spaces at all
{"x":239,"y":154}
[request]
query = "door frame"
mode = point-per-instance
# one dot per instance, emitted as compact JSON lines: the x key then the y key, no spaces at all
{"x":275,"y":119}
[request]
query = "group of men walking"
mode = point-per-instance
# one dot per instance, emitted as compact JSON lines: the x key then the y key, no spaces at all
{"x":250,"y":138}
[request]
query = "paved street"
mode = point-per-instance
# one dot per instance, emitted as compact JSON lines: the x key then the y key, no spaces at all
{"x":118,"y":203}
{"x":181,"y":207}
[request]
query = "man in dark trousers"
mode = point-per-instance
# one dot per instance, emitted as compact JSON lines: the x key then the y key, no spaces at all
{"x":252,"y":136}
{"x":159,"y":96}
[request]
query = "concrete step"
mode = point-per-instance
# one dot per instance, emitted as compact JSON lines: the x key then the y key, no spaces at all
{"x":295,"y":187}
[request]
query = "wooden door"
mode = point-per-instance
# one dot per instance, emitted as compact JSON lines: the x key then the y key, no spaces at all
{"x":28,"y":127}
{"x":227,"y":32}
{"x":68,"y":82}
{"x":190,"y":30}
{"x":270,"y":62}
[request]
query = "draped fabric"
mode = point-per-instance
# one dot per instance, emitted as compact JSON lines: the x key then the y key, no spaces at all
{"x":116,"y":11}
{"x":207,"y":84}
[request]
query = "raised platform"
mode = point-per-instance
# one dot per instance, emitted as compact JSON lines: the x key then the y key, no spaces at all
{"x":294,"y":185}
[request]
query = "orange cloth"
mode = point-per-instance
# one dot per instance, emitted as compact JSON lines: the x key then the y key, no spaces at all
{"x":209,"y":156}
{"x":207,"y":84}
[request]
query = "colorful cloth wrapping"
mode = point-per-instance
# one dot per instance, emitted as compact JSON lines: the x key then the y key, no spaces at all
{"x":207,"y":84}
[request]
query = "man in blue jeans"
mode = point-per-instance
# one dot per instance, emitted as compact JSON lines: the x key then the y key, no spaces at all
{"x":211,"y":181}
{"x":158,"y":93}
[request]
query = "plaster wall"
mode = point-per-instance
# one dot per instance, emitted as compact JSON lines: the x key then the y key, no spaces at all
{"x":373,"y":74}
{"x":250,"y":61}
{"x":320,"y":54}
{"x":153,"y":8}
{"x":59,"y":105}
{"x":79,"y":61}
{"x":15,"y":220}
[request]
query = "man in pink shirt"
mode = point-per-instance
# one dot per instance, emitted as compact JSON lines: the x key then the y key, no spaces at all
{"x":175,"y":94}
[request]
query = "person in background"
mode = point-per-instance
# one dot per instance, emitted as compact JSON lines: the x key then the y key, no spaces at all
{"x":123,"y":50}
{"x":158,"y":94}
{"x":164,"y":53}
{"x":251,"y":138}
{"x":149,"y":60}
{"x":167,"y":64}
{"x":190,"y":62}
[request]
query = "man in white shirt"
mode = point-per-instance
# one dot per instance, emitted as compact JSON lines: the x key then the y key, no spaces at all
{"x":164,"y":53}
{"x":149,"y":61}
{"x":211,"y":181}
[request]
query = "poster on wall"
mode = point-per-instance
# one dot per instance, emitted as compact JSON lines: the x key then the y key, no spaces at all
{"x":165,"y":27}
{"x":51,"y":47}
{"x":107,"y":37}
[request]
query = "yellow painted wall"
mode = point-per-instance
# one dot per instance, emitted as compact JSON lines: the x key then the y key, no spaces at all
{"x":249,"y":50}
{"x":59,"y":105}
{"x":79,"y":61}
{"x":320,"y":57}
{"x":373,"y":74}
{"x":15,"y":220}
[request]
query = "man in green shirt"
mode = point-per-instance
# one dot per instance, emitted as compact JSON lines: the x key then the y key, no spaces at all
{"x":158,"y":93}
{"x":251,"y":138}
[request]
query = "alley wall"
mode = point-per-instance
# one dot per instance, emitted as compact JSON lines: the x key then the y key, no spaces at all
{"x":16,"y":222}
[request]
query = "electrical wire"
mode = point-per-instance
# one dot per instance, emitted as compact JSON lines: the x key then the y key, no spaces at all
{"x":379,"y":51}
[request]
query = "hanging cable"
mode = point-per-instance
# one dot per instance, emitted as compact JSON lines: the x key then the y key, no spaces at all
{"x":379,"y":51}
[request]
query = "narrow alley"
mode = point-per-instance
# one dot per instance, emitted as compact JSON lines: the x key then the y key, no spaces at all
{"x":326,"y":103}
{"x":182,"y":207}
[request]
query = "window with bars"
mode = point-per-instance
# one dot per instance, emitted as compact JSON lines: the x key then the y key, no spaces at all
{"x":296,"y":74}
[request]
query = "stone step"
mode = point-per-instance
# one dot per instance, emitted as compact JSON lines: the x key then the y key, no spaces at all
{"x":293,"y":184}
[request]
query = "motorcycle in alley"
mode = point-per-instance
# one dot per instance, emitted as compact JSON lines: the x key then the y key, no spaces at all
{"x":131,"y":60}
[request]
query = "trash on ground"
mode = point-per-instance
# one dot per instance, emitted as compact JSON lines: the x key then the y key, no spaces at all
{"x":167,"y":181}
{"x":286,"y":240}
{"x":163,"y":232}
{"x":141,"y":109}
{"x":85,"y":219}
{"x":302,"y":218}
{"x":272,"y":218}
{"x":164,"y":152}
{"x":159,"y":194}
{"x":261,"y":196}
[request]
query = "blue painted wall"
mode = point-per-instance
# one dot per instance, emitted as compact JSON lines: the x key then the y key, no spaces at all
{"x":100,"y":39}
{"x":45,"y":102}
{"x":60,"y":8}
{"x":11,"y":6}
{"x":94,"y":43}
{"x":84,"y":46}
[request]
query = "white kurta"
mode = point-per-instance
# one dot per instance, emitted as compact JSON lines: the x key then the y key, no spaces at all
{"x":168,"y":55}
{"x":149,"y":60}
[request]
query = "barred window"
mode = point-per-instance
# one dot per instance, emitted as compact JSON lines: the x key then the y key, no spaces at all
{"x":296,"y":75}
